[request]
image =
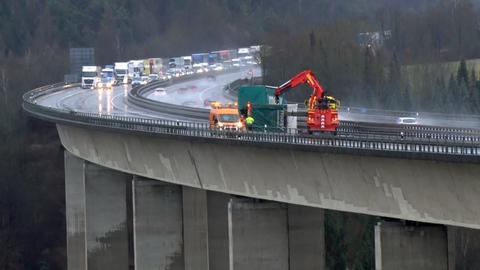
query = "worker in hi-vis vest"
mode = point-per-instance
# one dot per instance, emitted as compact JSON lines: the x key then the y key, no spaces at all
{"x":250,"y":122}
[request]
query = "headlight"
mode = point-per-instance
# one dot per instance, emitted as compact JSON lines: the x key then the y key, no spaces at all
{"x":239,"y":124}
{"x":220,"y":125}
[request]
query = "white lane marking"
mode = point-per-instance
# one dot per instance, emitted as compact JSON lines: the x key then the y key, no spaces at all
{"x":201,"y":94}
{"x":222,"y":81}
{"x":61,"y":102}
{"x":131,"y":112}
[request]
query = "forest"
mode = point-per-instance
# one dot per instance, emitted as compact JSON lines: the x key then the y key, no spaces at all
{"x":423,"y":64}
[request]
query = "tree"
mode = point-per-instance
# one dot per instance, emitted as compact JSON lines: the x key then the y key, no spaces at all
{"x":107,"y":44}
{"x":394,"y":85}
{"x":335,"y":240}
{"x":462,"y":73}
{"x":439,"y":96}
{"x":369,"y":81}
{"x":451,"y":99}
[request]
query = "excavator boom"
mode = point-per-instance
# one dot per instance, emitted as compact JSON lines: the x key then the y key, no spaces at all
{"x":322,"y":111}
{"x":303,"y":77}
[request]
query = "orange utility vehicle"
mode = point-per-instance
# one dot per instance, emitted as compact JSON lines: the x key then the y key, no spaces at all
{"x":226,"y":117}
{"x":322,"y":109}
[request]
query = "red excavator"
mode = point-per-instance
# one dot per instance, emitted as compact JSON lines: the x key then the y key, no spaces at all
{"x":322,"y":109}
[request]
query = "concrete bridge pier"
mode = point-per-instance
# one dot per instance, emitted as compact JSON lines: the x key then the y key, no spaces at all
{"x":178,"y":227}
{"x":157,"y":225}
{"x":195,"y":229}
{"x":306,"y":238}
{"x":218,"y":232}
{"x":96,"y":215}
{"x":258,"y":233}
{"x":269,"y":235}
{"x":400,"y":247}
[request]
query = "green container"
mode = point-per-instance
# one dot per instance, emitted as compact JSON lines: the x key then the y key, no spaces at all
{"x":268,"y":116}
{"x":257,"y":95}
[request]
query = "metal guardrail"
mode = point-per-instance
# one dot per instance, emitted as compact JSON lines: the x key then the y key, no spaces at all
{"x":34,"y":94}
{"x":138,"y":97}
{"x":232,"y":90}
{"x":364,"y":142}
{"x":442,"y":116}
{"x":419,"y":131}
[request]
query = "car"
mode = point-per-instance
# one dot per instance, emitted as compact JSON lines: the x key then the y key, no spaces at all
{"x":167,"y":76}
{"x":407,"y":121}
{"x":217,"y":67}
{"x":160,"y":91}
{"x":193,"y":88}
{"x":182,"y":90}
{"x":153,"y":77}
{"x":207,"y":102}
{"x":144,"y":80}
{"x":137,"y":80}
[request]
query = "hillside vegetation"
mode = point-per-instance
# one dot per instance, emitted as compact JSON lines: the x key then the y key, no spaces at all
{"x":372,"y":76}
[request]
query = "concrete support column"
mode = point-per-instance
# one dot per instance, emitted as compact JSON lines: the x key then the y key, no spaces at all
{"x":258,"y":235}
{"x":306,"y":238}
{"x":452,"y":233}
{"x":97,"y":236}
{"x":399,"y":247}
{"x":463,"y":248}
{"x":157,"y":225}
{"x":218,"y":242}
{"x":75,"y":213}
{"x":195,"y":229}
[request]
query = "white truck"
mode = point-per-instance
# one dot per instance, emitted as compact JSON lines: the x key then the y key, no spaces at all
{"x":244,"y":56}
{"x":121,"y":72}
{"x":90,"y":76}
{"x":135,"y":67}
{"x":187,"y":64}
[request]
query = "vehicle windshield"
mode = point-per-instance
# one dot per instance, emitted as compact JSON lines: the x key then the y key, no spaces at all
{"x":229,"y":118}
{"x":89,"y":74}
{"x":121,"y":71}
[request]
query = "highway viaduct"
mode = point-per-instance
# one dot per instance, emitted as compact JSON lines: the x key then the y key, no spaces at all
{"x":154,"y":194}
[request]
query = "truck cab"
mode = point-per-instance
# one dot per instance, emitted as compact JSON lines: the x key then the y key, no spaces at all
{"x":90,"y":76}
{"x":107,"y":79}
{"x":121,"y":72}
{"x":226,"y":117}
{"x":135,"y":67}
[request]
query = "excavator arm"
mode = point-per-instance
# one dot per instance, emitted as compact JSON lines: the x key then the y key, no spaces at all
{"x":308,"y":77}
